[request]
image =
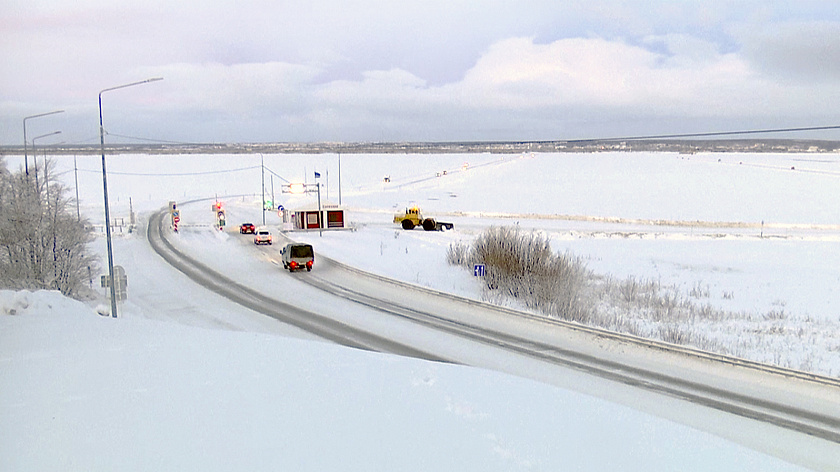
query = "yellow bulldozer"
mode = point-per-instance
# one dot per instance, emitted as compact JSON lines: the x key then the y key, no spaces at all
{"x":412,"y":218}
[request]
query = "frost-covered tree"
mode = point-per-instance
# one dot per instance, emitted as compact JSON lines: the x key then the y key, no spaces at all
{"x":43,"y":245}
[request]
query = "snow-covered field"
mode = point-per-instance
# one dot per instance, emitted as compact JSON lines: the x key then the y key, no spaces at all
{"x":236,"y":391}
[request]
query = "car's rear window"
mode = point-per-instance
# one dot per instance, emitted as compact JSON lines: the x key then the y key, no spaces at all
{"x":301,"y":251}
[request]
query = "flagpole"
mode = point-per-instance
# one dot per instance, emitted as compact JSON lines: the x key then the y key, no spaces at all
{"x":339,"y":179}
{"x":320,"y":212}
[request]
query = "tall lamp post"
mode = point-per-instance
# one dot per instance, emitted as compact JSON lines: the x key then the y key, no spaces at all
{"x":262,"y":167}
{"x":35,"y":154}
{"x":25,"y":157}
{"x":105,"y":192}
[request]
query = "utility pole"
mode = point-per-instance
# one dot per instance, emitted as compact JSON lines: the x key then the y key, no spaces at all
{"x":76,"y":174}
{"x":111,"y":277}
{"x":262,"y":167}
{"x":339,"y":179}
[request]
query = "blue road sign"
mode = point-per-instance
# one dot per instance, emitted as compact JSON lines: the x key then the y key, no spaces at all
{"x":479,"y":270}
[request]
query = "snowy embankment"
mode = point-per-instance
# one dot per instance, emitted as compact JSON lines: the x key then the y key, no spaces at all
{"x":85,"y":392}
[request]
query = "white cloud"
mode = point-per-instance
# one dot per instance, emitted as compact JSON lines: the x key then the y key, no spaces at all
{"x":430,"y":70}
{"x":518,"y":89}
{"x":517,"y":73}
{"x":692,"y":79}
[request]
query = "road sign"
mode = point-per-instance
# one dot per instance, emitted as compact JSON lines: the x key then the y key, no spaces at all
{"x":479,"y":270}
{"x":120,"y":284}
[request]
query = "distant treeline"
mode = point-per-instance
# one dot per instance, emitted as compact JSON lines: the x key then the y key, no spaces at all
{"x":500,"y":147}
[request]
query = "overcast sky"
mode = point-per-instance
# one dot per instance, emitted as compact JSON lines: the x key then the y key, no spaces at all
{"x":423,"y":70}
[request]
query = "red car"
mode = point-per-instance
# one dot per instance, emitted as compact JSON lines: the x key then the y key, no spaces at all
{"x":247,"y":228}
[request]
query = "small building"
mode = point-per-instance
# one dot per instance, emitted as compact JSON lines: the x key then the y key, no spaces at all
{"x":308,"y":218}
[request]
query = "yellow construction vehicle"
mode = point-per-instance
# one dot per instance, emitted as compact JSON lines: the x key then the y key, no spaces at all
{"x":412,"y":217}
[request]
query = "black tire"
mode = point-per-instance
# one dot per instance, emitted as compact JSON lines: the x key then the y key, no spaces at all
{"x":407,"y":224}
{"x":429,"y":224}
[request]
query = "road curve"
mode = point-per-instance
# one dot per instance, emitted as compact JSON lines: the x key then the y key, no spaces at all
{"x":314,"y":323}
{"x":797,"y":401}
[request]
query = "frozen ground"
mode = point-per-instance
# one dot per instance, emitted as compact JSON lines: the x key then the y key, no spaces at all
{"x":750,"y":235}
{"x":87,"y":393}
{"x":139,"y":390}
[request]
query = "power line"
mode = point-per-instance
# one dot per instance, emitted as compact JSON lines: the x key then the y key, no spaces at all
{"x":278,"y":175}
{"x":698,"y":135}
{"x":148,"y":140}
{"x":181,"y":174}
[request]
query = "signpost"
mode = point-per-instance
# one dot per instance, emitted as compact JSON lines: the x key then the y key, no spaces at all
{"x":220,"y":215}
{"x":479,"y":270}
{"x":307,"y":188}
{"x":175,"y":215}
{"x":120,"y":283}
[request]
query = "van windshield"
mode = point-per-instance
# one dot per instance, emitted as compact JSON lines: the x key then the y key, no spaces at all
{"x":301,"y":251}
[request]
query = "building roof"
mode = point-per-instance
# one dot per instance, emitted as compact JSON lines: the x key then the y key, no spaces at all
{"x":313,"y":206}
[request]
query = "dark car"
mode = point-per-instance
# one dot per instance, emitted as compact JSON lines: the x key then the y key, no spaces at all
{"x":247,"y":228}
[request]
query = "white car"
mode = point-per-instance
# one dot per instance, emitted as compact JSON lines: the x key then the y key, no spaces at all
{"x":262,"y":236}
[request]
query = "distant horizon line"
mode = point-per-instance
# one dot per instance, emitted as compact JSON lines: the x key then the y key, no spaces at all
{"x":647,"y":139}
{"x":648,"y":144}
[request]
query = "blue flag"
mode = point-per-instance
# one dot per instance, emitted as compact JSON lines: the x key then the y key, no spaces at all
{"x":317,"y":175}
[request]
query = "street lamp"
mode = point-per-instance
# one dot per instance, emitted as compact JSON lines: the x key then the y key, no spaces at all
{"x":298,"y":188}
{"x":35,"y":154}
{"x":105,"y":192}
{"x":262,"y":166}
{"x":25,"y":158}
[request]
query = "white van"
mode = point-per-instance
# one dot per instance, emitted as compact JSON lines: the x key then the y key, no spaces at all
{"x":297,"y":256}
